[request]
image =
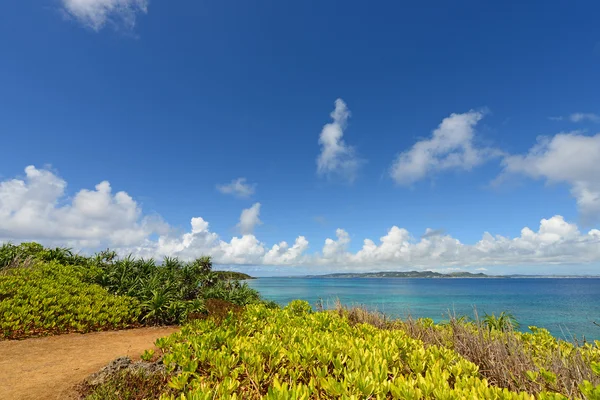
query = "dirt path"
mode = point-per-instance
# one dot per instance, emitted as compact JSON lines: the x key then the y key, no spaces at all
{"x":49,"y":367}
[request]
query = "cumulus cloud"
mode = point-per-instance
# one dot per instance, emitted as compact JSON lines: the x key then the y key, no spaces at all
{"x":243,"y":250}
{"x":555,"y":242}
{"x":36,"y":207}
{"x":335,"y":251}
{"x":238,"y":187}
{"x":451,"y":146}
{"x":580,"y":117}
{"x":336,"y":157}
{"x":96,"y":13}
{"x":30,"y":208}
{"x":570,"y":158}
{"x":249,"y":219}
{"x":283,"y":254}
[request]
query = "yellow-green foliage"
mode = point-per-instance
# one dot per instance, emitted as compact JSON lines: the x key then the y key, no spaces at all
{"x":51,"y":298}
{"x":293,"y":353}
{"x":533,"y":361}
{"x":542,"y":344}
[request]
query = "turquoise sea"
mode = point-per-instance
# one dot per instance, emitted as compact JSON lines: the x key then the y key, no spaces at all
{"x":566,"y":307}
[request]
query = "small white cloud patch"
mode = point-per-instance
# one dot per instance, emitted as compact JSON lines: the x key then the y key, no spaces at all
{"x":581,"y":117}
{"x":96,"y":13}
{"x":249,"y":219}
{"x":336,"y":157}
{"x":238,"y":187}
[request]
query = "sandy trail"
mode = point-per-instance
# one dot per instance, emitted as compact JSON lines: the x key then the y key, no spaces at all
{"x":49,"y":367}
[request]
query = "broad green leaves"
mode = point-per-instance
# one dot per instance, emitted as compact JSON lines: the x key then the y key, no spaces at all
{"x":51,"y":298}
{"x":293,"y":353}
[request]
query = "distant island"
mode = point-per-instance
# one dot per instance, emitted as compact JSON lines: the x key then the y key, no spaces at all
{"x":406,"y":274}
{"x":431,"y":274}
{"x":232,"y":275}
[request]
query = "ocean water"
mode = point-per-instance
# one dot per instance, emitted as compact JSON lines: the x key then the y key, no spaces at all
{"x":566,"y":307}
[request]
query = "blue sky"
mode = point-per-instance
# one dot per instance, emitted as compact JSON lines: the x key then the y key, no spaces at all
{"x":168,"y":101}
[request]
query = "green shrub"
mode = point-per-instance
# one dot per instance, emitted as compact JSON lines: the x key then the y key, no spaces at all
{"x":49,"y":298}
{"x":167,"y":293}
{"x":295,"y":354}
{"x":232,"y":291}
{"x":503,"y":322}
{"x":10,"y":253}
{"x":298,"y":307}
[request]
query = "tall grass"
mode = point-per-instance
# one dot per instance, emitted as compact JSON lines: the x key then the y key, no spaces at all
{"x":531,"y":362}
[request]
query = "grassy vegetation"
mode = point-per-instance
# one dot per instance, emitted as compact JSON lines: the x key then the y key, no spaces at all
{"x":534,"y":362}
{"x":46,"y":291}
{"x":295,"y":353}
{"x":128,"y":385}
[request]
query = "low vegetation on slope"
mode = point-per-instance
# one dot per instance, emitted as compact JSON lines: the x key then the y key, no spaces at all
{"x":249,"y":349}
{"x":50,"y":298}
{"x":295,"y":353}
{"x":47,"y":291}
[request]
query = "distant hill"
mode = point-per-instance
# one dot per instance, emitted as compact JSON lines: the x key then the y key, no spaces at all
{"x":408,"y":274}
{"x":232,"y":275}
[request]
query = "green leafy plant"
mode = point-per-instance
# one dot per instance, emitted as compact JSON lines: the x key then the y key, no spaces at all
{"x":503,"y":322}
{"x":51,"y":298}
{"x":147,"y":355}
{"x":171,"y":291}
{"x":294,"y":353}
{"x":165,"y":293}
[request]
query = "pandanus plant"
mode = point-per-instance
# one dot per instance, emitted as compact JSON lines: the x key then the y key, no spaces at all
{"x":503,"y":322}
{"x":167,"y":291}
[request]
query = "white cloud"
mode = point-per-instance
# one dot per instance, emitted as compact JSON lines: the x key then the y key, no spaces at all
{"x":451,"y":146}
{"x":399,"y":248}
{"x":238,"y":187}
{"x":31,"y":209}
{"x":555,"y":242}
{"x":249,"y":219}
{"x":336,"y":157}
{"x":244,"y":250}
{"x":96,"y":13}
{"x":335,"y":251}
{"x":201,"y":241}
{"x":570,"y":158}
{"x":37,"y":208}
{"x":580,"y":117}
{"x":282,"y":254}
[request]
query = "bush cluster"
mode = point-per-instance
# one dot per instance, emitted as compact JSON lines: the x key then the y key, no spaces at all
{"x":294,"y":353}
{"x":50,"y":298}
{"x":168,"y":292}
{"x":46,"y":291}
